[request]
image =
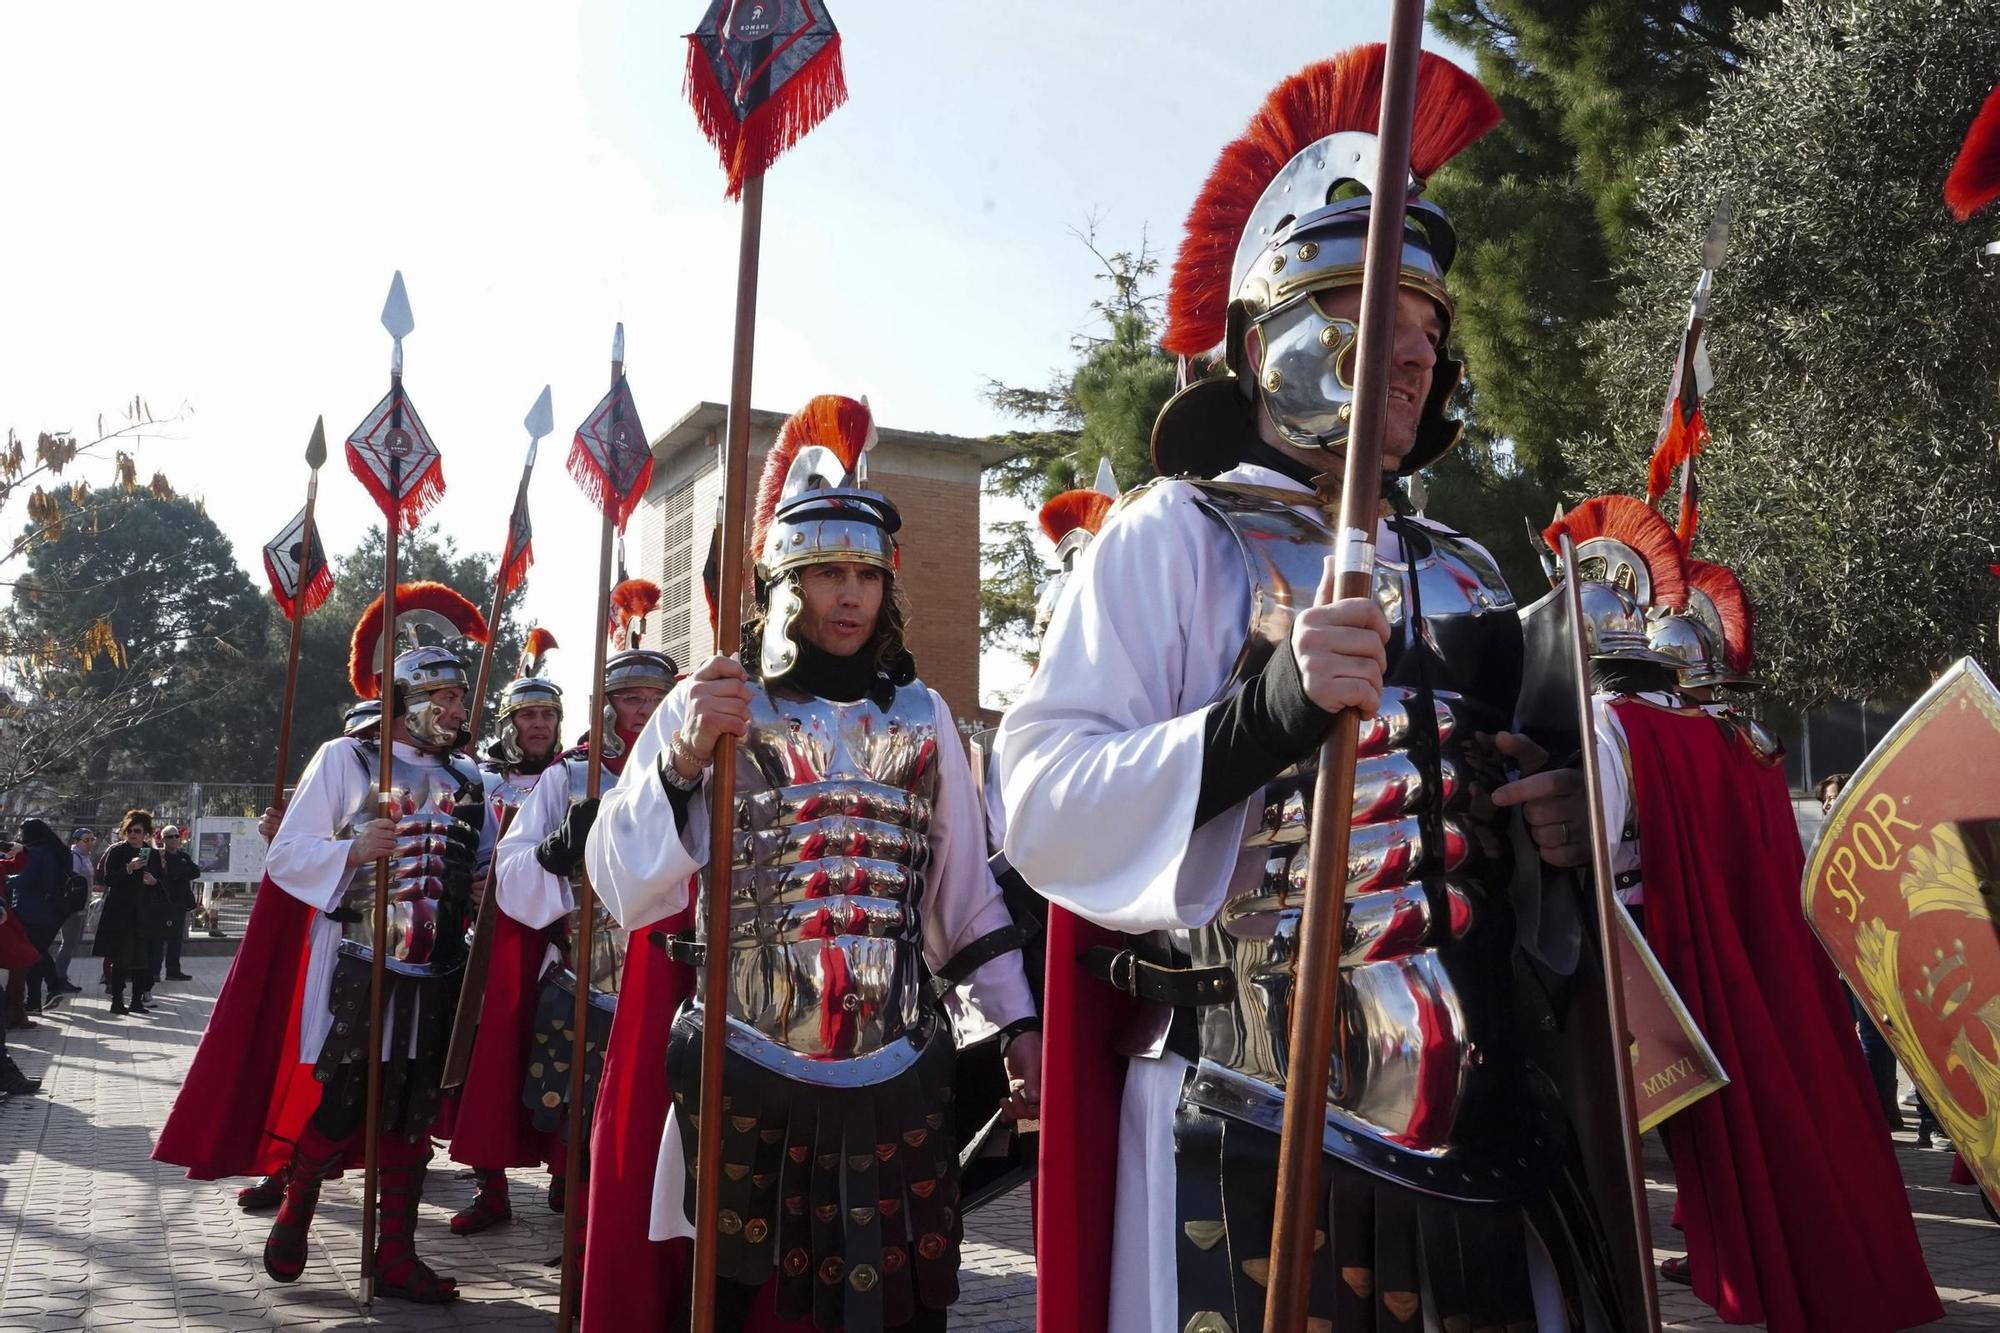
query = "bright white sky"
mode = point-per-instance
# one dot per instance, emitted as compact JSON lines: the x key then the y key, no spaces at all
{"x":205,"y":204}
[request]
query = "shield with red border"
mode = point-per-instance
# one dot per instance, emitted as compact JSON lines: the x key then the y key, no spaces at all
{"x":1903,"y":888}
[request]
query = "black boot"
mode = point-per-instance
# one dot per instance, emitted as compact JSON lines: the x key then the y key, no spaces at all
{"x":13,"y":1082}
{"x":118,"y":995}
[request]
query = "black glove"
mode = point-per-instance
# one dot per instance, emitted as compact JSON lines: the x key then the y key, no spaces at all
{"x":562,"y":851}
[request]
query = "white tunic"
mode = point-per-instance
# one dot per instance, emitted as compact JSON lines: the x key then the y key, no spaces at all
{"x":1100,"y":768}
{"x":643,"y":873}
{"x":308,"y":860}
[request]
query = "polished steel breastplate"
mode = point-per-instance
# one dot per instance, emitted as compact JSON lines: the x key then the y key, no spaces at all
{"x":609,"y":941}
{"x":413,"y":788}
{"x":832,"y":846}
{"x":1412,"y":1025}
{"x":506,"y":788}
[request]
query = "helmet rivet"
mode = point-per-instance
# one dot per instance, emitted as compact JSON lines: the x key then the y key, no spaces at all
{"x":1329,"y":336}
{"x":1277,"y":263}
{"x":798,"y":539}
{"x":1271,"y":380}
{"x":1308,"y":250}
{"x":1347,"y":411}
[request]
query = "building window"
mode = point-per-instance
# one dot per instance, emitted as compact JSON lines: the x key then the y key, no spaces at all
{"x":676,"y":572}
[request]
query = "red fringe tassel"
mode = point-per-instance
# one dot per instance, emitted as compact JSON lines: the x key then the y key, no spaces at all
{"x":1683,"y":440}
{"x":310,"y":598}
{"x":420,"y":500}
{"x":749,"y":147}
{"x":516,"y":570}
{"x":597,"y":487}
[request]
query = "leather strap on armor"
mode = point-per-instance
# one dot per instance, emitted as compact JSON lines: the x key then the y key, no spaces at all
{"x":993,"y":944}
{"x":1179,"y":987}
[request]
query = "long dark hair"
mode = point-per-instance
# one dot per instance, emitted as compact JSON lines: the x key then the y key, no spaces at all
{"x":887,"y":650}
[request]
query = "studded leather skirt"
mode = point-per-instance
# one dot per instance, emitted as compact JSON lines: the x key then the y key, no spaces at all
{"x":846,"y":1197}
{"x":419,"y":1000}
{"x":545,"y":1086}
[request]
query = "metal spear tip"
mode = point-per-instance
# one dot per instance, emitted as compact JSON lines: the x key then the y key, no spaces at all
{"x":1107,"y":480}
{"x":316,"y":448}
{"x":396,"y":315}
{"x":618,"y":342}
{"x":541,"y":418}
{"x":1715,"y":245}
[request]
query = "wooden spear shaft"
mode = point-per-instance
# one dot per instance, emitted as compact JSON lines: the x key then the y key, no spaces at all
{"x":476,"y":706}
{"x":1350,"y":573}
{"x":722,"y":774}
{"x":1608,"y":932}
{"x":371,"y":1160}
{"x":575,"y":1201}
{"x":292,"y":658}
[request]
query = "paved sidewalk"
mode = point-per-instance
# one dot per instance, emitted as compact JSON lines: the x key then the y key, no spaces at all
{"x":97,"y":1235}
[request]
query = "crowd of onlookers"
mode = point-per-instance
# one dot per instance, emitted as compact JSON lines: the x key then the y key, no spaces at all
{"x":143,"y":885}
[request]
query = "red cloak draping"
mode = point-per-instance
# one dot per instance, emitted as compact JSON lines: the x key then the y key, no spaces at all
{"x":1794,"y":1210}
{"x":493,"y":1128}
{"x":1083,"y":1083}
{"x":247,"y":1094}
{"x":631,"y":1284}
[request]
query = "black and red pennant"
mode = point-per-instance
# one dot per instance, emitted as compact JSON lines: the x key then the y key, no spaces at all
{"x":611,"y":458}
{"x":394,"y":459}
{"x":520,"y":552}
{"x":762,"y":74}
{"x":300,"y":577}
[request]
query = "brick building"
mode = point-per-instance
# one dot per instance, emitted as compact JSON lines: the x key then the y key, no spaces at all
{"x":934,"y":481}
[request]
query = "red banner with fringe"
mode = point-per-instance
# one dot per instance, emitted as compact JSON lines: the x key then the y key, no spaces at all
{"x":611,"y":459}
{"x":392,"y":455}
{"x":301,"y":580}
{"x":762,"y":74}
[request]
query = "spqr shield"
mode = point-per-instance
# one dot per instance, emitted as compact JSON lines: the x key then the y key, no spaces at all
{"x":1903,"y":888}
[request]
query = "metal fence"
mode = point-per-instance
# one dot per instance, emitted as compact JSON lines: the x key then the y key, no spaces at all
{"x":102,"y":805}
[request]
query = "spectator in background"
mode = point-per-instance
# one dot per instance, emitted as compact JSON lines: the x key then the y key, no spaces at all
{"x":135,"y":911}
{"x":13,"y":860}
{"x":37,"y":892}
{"x":83,"y":863}
{"x":181,"y":873}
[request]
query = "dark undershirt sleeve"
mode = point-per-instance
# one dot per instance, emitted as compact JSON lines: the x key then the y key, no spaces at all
{"x":1256,"y":734}
{"x":678,"y":799}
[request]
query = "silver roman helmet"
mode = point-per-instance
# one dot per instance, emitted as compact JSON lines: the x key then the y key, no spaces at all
{"x":631,"y":666}
{"x":815,"y":508}
{"x":1071,"y":520}
{"x":530,"y":689}
{"x":1629,"y":567}
{"x":1281,"y":223}
{"x":421,"y":670}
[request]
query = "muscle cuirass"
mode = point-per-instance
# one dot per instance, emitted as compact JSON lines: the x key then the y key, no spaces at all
{"x":414,"y":788}
{"x":506,"y":788}
{"x":1422,"y":1001}
{"x":609,"y":941}
{"x":832,"y":843}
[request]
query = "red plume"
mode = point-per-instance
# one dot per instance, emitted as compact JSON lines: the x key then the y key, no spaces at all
{"x":635,"y":597}
{"x":1327,"y":97}
{"x":539,"y":642}
{"x":1974,"y":181}
{"x":844,"y":425}
{"x":1732,"y":605}
{"x":364,"y":665}
{"x":1633,"y":522}
{"x":1071,"y":510}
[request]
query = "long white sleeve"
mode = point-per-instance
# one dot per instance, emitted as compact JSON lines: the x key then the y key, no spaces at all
{"x":961,"y":902}
{"x":637,"y":864}
{"x":527,"y":892}
{"x":305,"y":859}
{"x":1100,"y":760}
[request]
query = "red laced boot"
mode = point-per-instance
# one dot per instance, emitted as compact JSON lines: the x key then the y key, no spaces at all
{"x":398,"y":1270}
{"x":313,"y":1158}
{"x":489,"y":1207}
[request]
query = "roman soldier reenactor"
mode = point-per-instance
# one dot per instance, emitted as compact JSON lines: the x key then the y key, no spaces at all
{"x":863,"y":866}
{"x":492,"y":1130}
{"x":279,"y":1083}
{"x":1788,"y":1192}
{"x":1158,"y":773}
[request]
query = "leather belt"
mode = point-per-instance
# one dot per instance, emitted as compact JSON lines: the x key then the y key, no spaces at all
{"x":1179,"y":987}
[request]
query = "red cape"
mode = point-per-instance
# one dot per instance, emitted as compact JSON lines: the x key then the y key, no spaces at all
{"x":1083,"y":1083}
{"x":492,"y":1126}
{"x":631,"y":1284}
{"x":247,"y":1095}
{"x":1793,"y":1206}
